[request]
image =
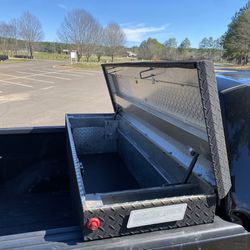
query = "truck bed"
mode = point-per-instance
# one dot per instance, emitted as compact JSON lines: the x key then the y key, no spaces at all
{"x":34,"y":212}
{"x":34,"y":184}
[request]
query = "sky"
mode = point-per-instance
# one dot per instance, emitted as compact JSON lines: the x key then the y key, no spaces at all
{"x":140,"y":19}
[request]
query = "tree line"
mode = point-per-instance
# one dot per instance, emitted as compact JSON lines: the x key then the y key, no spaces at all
{"x":236,"y":41}
{"x":18,"y":32}
{"x":233,"y":46}
{"x":152,"y":49}
{"x":82,"y":32}
{"x":79,"y":31}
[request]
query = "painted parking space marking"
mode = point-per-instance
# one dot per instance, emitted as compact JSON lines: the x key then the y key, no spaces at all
{"x":76,"y":71}
{"x":89,"y":72}
{"x":8,"y":75}
{"x":12,"y":77}
{"x":14,"y":97}
{"x":59,"y":73}
{"x":46,"y":88}
{"x":38,"y":80}
{"x":16,"y":83}
{"x":42,"y":74}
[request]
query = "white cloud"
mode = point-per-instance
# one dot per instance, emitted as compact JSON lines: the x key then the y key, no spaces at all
{"x":139,"y":32}
{"x":62,"y":6}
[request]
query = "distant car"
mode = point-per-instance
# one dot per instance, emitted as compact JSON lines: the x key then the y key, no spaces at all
{"x":3,"y":58}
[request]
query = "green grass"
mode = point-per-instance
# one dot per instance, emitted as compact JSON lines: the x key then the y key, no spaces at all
{"x":92,"y":66}
{"x":93,"y":63}
{"x":64,"y":57}
{"x":51,"y":56}
{"x":10,"y":61}
{"x":104,"y":59}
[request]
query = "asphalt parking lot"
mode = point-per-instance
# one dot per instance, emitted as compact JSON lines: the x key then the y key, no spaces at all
{"x":39,"y":93}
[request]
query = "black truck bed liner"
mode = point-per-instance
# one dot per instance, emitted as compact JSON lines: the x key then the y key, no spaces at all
{"x":34,"y":185}
{"x":33,"y":212}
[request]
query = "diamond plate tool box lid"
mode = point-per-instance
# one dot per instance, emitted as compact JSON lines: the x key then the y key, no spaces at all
{"x":159,"y":161}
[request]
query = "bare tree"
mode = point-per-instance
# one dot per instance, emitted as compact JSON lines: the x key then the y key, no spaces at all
{"x":30,"y":31}
{"x":114,"y":39}
{"x":4,"y":37}
{"x":13,"y":35}
{"x":100,"y":44}
{"x":8,"y":36}
{"x":80,"y":28}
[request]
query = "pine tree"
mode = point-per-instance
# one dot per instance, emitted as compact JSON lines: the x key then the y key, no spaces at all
{"x":236,"y":41}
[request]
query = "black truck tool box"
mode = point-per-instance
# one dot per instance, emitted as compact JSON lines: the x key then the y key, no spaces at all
{"x":159,"y":161}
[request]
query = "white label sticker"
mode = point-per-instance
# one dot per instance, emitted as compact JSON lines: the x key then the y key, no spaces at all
{"x":156,"y":215}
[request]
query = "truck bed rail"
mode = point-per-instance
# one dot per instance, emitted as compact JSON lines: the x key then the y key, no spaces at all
{"x":218,"y":235}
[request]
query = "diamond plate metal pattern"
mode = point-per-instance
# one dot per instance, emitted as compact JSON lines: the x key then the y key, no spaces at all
{"x":92,"y":139}
{"x":182,"y":101}
{"x":215,"y":131}
{"x":190,"y":95}
{"x":200,"y":210}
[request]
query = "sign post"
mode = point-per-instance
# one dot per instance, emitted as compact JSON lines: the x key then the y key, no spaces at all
{"x":73,"y":57}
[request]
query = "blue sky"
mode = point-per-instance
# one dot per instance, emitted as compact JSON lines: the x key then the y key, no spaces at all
{"x":140,"y":19}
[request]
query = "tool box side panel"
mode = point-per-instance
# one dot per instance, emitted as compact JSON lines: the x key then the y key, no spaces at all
{"x":76,"y":182}
{"x":114,"y":219}
{"x":76,"y":185}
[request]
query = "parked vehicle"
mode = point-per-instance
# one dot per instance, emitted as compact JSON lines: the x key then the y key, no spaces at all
{"x":3,"y":58}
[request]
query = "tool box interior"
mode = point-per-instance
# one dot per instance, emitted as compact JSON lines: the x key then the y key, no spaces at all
{"x":114,"y":156}
{"x":151,"y":164}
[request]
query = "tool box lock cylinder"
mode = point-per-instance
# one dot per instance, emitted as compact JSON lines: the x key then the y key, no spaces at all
{"x":93,"y":224}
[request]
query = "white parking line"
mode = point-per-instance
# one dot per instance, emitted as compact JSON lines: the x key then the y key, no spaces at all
{"x":50,"y":87}
{"x":8,"y":75}
{"x":14,"y":97}
{"x":89,"y":72}
{"x":16,"y":83}
{"x":23,"y":77}
{"x":42,"y":74}
{"x":76,"y":71}
{"x":58,"y":73}
{"x":80,"y":72}
{"x":38,"y":80}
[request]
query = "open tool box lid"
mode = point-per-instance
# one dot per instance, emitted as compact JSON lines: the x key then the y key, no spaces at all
{"x":180,"y":99}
